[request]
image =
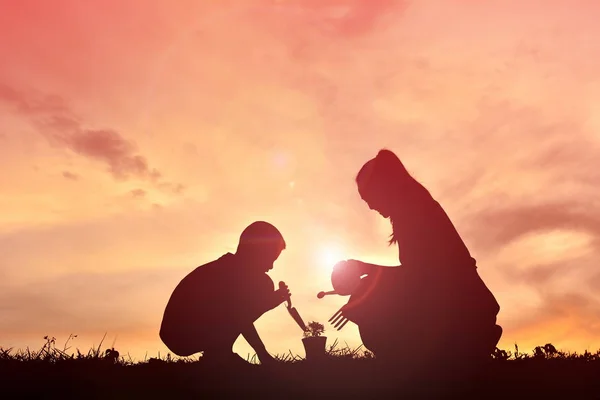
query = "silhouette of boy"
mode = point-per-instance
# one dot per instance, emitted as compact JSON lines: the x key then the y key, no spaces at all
{"x":220,"y":300}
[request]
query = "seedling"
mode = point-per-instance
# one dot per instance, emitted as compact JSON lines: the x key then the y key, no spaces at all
{"x":314,"y":342}
{"x":314,"y":329}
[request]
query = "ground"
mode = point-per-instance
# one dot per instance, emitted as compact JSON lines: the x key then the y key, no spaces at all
{"x":339,"y":374}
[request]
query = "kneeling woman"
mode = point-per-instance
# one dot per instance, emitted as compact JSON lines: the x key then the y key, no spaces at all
{"x":433,"y":307}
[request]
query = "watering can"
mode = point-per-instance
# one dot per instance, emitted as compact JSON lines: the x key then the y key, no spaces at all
{"x":344,"y":283}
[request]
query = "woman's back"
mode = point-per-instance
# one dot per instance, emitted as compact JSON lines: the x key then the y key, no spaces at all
{"x":436,"y":298}
{"x":425,"y":235}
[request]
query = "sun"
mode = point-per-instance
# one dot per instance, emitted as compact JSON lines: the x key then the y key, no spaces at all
{"x":329,"y":255}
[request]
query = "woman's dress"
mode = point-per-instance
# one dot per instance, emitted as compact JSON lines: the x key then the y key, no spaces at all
{"x":433,"y":306}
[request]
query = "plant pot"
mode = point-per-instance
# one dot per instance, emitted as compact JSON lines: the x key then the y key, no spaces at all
{"x":314,"y":347}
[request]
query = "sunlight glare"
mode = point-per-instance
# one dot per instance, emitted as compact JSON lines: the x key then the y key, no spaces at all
{"x":329,"y":255}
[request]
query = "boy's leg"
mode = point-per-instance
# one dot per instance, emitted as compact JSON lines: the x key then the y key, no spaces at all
{"x":219,"y":350}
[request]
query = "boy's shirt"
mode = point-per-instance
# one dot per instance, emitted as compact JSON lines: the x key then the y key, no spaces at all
{"x":220,"y":295}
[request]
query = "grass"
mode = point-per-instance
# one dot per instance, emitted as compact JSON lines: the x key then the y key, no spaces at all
{"x":343,"y":373}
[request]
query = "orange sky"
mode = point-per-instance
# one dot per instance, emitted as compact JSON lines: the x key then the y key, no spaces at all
{"x":137,"y":141}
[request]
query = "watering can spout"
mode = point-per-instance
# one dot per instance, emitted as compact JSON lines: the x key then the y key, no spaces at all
{"x":320,"y":295}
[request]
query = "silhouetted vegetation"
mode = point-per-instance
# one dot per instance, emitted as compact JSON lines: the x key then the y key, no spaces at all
{"x":344,"y":373}
{"x":314,"y":329}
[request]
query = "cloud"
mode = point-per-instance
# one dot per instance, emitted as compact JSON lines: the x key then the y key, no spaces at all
{"x":35,"y":104}
{"x":111,"y":148}
{"x":57,"y":123}
{"x":87,"y":302}
{"x":363,"y":16}
{"x":562,"y":319}
{"x":502,"y":226}
{"x":138,"y":193}
{"x":166,"y":236}
{"x":346,"y":19}
{"x":175,"y":188}
{"x":70,"y":175}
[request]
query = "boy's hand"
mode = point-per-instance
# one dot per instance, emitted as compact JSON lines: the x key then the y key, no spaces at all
{"x":266,"y":359}
{"x":282,"y":294}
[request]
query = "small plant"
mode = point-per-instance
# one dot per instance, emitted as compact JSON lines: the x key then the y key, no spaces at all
{"x":314,"y":342}
{"x":315,"y":329}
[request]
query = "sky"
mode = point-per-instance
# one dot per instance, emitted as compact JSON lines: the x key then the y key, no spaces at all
{"x":138,"y":140}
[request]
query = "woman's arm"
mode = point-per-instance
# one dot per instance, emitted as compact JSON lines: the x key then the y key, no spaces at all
{"x":373,"y":268}
{"x":364,"y":268}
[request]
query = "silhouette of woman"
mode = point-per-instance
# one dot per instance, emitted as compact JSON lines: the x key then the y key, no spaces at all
{"x":434,"y":307}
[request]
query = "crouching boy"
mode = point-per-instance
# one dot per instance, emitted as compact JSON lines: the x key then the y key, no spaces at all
{"x":222,"y":299}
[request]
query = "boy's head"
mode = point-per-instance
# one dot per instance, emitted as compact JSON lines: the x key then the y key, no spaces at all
{"x":260,"y":245}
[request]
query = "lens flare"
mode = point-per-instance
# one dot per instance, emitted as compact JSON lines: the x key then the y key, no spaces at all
{"x":329,"y":255}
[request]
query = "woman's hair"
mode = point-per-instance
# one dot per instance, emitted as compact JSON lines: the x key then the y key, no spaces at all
{"x":379,"y":171}
{"x":383,"y":173}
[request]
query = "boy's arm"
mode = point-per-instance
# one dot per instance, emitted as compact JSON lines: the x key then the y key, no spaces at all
{"x":266,"y":299}
{"x":260,"y":299}
{"x":251,"y":335}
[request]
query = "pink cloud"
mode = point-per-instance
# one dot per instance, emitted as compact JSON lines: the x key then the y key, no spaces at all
{"x":138,"y":193}
{"x":112,"y":149}
{"x":70,"y":175}
{"x":56,"y":122}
